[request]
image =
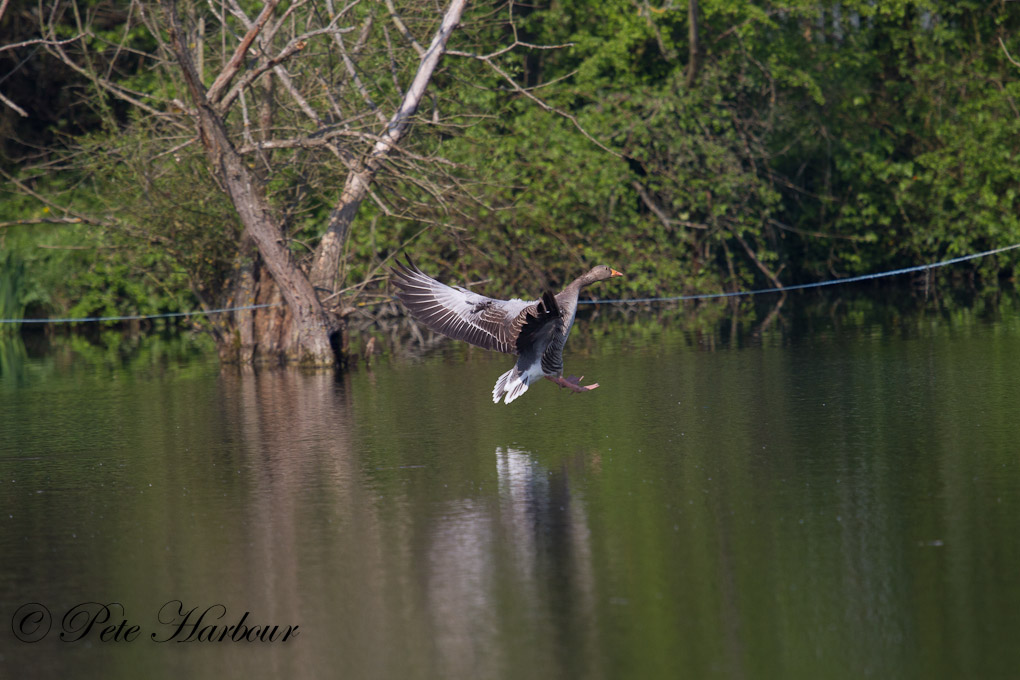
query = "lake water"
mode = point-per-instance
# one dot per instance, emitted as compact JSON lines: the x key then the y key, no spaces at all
{"x":836,"y":495}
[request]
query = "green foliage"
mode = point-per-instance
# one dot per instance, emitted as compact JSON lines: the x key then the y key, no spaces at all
{"x":167,"y":239}
{"x":13,"y":295}
{"x":36,"y":263}
{"x":173,"y":233}
{"x":677,"y":191}
{"x":911,"y":152}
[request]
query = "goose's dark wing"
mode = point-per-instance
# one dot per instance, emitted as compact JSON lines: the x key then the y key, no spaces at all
{"x":539,"y":328}
{"x":459,"y":313}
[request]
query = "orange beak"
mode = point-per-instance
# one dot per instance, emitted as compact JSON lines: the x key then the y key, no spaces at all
{"x":615,"y":273}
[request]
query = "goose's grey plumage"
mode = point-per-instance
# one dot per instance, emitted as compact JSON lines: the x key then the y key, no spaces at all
{"x":534,"y":330}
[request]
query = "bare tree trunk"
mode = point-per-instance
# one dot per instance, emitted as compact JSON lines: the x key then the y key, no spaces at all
{"x":325,"y":272}
{"x":238,"y":344}
{"x":309,"y":340}
{"x":693,"y":49}
{"x":326,"y":265}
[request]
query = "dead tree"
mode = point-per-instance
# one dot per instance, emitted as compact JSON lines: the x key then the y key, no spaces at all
{"x":253,"y":92}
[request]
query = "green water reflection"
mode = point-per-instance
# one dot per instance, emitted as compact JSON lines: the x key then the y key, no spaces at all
{"x":834,"y":496}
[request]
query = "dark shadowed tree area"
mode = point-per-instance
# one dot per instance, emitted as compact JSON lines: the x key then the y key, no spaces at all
{"x":164,"y":156}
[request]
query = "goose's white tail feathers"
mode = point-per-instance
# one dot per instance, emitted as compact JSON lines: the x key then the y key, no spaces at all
{"x":511,"y":384}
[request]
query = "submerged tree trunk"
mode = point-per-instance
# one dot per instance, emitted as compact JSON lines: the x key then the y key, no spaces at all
{"x":308,"y":339}
{"x":260,"y":328}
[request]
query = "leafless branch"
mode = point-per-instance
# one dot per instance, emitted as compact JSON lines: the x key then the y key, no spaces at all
{"x":74,"y":216}
{"x":327,"y":139}
{"x":295,"y":94}
{"x":667,"y":221}
{"x":40,"y":41}
{"x":291,"y":49}
{"x":45,"y":246}
{"x":360,"y":176}
{"x":294,"y":46}
{"x":352,"y":69}
{"x":20,"y":111}
{"x":120,"y":46}
{"x":42,"y":220}
{"x":398,"y":123}
{"x":55,"y":47}
{"x":281,"y":73}
{"x":394,"y":69}
{"x":246,"y":121}
{"x":774,"y":278}
{"x":174,"y":149}
{"x":402,"y":27}
{"x":1008,"y":55}
{"x":269,"y":34}
{"x":232,"y":67}
{"x":817,"y":234}
{"x":304,"y":141}
{"x":541,"y":104}
{"x":328,"y":91}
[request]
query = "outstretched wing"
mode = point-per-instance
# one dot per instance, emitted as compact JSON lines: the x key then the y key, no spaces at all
{"x":459,"y":313}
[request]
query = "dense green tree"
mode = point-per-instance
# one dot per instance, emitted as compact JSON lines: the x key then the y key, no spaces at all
{"x":813,"y":140}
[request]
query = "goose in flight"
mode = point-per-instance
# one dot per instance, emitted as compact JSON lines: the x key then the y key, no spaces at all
{"x":534,"y":330}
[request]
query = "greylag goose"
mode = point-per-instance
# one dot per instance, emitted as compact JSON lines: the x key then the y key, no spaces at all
{"x":534,"y":330}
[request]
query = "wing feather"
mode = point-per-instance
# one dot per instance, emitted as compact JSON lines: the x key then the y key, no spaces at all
{"x":460,"y":313}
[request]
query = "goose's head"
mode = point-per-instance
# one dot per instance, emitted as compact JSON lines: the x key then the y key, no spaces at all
{"x":599,"y":273}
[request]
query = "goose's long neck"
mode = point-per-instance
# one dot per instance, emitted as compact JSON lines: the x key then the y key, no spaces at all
{"x":567,"y":300}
